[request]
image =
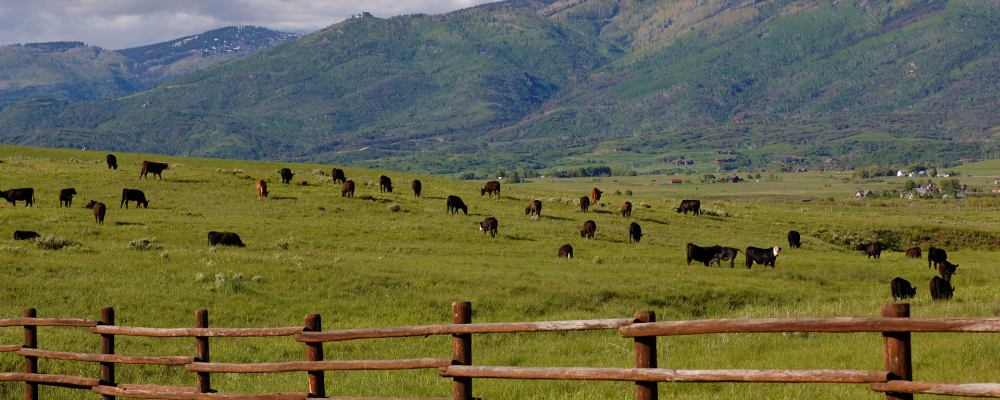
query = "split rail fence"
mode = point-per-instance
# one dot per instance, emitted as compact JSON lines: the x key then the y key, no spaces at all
{"x":895,"y":381}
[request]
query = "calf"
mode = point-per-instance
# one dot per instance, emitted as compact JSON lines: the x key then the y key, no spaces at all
{"x":871,"y":249}
{"x":701,"y":254}
{"x":348,"y":190}
{"x":764,"y":257}
{"x":588,"y":229}
{"x":595,"y":194}
{"x":455,"y":203}
{"x":338,"y":175}
{"x":937,"y":256}
{"x":947,"y":269}
{"x":913,"y":253}
{"x":941,"y":289}
{"x":725,"y":254}
{"x":690,"y":205}
{"x":489,"y":225}
{"x":584,"y":203}
{"x":535,"y":207}
{"x":133,"y":195}
{"x":627,"y":209}
{"x":154,"y":168}
{"x":261,"y":189}
{"x":15,"y":195}
{"x":634,"y":232}
{"x":25,"y":235}
{"x":286,"y":175}
{"x":99,"y":210}
{"x":112,"y":161}
{"x":416,"y":188}
{"x":566,"y":251}
{"x":491,"y":188}
{"x":384,"y":184}
{"x":901,"y":289}
{"x":794,"y":240}
{"x":66,"y":197}
{"x":224,"y":239}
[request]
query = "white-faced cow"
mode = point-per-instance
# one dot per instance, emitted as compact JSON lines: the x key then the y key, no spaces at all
{"x":566,"y":251}
{"x":489,"y":225}
{"x":760,"y":256}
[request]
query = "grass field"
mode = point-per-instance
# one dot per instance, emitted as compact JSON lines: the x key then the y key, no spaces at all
{"x":359,"y":264}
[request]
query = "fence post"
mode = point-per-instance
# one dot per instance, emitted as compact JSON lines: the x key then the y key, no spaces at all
{"x":107,"y":347}
{"x":461,"y":348}
{"x":30,"y":363}
{"x":314,"y":352}
{"x":645,"y":357}
{"x":201,"y":350}
{"x":896,"y":349}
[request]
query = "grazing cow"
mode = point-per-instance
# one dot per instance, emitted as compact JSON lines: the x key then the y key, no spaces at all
{"x":66,"y":197}
{"x":286,"y":175}
{"x":701,"y":254}
{"x":871,"y":249}
{"x":690,"y":205}
{"x":491,"y":188}
{"x":261,"y":189}
{"x":348,"y":190}
{"x":588,"y":229}
{"x":384,"y":184}
{"x":584,"y":203}
{"x":764,"y":257}
{"x":534,"y":208}
{"x":595,"y":194}
{"x":112,"y":161}
{"x":416,"y":188}
{"x":941,"y":289}
{"x":946,"y":269}
{"x":224,"y":239}
{"x":155,"y":168}
{"x":634,"y":232}
{"x":14,"y":195}
{"x":726,"y":254}
{"x":901,"y":289}
{"x":627,"y":209}
{"x":338,"y":175}
{"x":455,"y":203}
{"x":99,"y":210}
{"x":25,"y":235}
{"x":913,"y":253}
{"x":794,"y":240}
{"x":937,"y":256}
{"x":566,"y":251}
{"x":133,"y":195}
{"x":489,"y":225}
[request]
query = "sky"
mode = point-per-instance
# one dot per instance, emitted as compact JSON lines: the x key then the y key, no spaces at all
{"x":119,"y":24}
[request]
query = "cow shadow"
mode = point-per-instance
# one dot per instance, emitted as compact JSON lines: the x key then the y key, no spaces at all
{"x":511,"y":237}
{"x":282,"y":198}
{"x":655,"y":221}
{"x":431,"y":198}
{"x":369,"y":197}
{"x":129,"y":223}
{"x":558,"y":218}
{"x":602,"y":212}
{"x":189,"y":180}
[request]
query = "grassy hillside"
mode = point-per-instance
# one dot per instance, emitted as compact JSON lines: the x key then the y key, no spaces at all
{"x":360,"y":264}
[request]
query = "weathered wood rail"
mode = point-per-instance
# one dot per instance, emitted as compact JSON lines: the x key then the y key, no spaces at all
{"x":895,"y":381}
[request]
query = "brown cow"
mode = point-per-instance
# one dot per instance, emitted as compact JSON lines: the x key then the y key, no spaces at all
{"x":261,"y":189}
{"x":584,"y":203}
{"x":491,"y":188}
{"x":947,"y":269}
{"x":225,"y":239}
{"x":338,"y":175}
{"x":112,"y":161}
{"x":154,"y":168}
{"x":941,"y":289}
{"x":595,"y":194}
{"x":566,"y":251}
{"x":534,"y":208}
{"x":634,"y":232}
{"x":914,"y":253}
{"x":489,"y":225}
{"x":416,"y":187}
{"x":99,"y":211}
{"x":348,"y":190}
{"x":384,"y":184}
{"x":588,"y":229}
{"x":627,"y":209}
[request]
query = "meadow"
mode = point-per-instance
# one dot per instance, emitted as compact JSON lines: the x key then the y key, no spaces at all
{"x":360,"y":264}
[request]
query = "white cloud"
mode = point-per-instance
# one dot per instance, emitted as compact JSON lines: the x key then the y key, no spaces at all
{"x":116,"y":24}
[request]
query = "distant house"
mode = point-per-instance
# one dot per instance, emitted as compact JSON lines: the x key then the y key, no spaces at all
{"x":963,"y":186}
{"x":673,"y":181}
{"x":900,"y":173}
{"x":723,"y":160}
{"x":860,"y":194}
{"x":622,"y":149}
{"x":906,"y":195}
{"x":725,"y":152}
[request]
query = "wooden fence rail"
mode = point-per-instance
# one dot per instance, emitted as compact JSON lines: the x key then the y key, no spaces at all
{"x":895,"y":381}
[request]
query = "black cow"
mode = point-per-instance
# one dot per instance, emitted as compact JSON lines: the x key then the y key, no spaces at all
{"x":416,"y":187}
{"x":901,"y":289}
{"x":25,"y":235}
{"x":384,"y":184}
{"x":871,"y":249}
{"x":286,"y":175}
{"x":15,"y":195}
{"x":155,"y":168}
{"x":764,"y":257}
{"x":584,"y":203}
{"x":99,"y":211}
{"x":947,"y":269}
{"x":566,"y":251}
{"x":491,"y":188}
{"x":455,"y":203}
{"x":224,"y":239}
{"x":701,"y":254}
{"x":348,"y":190}
{"x":937,"y":256}
{"x":634,"y":232}
{"x":794,"y":240}
{"x":588,"y":229}
{"x":338,"y":175}
{"x":489,"y":225}
{"x":726,"y":254}
{"x":690,"y":205}
{"x":941,"y":289}
{"x":133,"y":195}
{"x":534,"y":208}
{"x":112,"y":161}
{"x":627,"y":209}
{"x":66,"y":196}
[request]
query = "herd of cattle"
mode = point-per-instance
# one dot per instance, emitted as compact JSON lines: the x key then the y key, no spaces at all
{"x":940,"y":287}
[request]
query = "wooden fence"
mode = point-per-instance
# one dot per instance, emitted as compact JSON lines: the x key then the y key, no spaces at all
{"x":895,"y":326}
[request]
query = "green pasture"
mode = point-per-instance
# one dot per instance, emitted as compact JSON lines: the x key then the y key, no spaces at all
{"x":359,"y":264}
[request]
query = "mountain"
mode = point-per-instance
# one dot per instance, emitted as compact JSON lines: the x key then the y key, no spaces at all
{"x":534,"y":83}
{"x":75,"y":71}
